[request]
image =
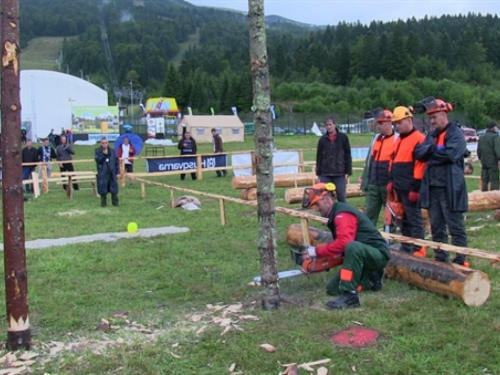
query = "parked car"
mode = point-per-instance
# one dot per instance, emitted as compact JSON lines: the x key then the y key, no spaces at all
{"x":278,"y":130}
{"x":470,"y":134}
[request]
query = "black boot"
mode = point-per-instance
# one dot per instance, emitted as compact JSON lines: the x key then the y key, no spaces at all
{"x":114,"y":199}
{"x":377,"y":279}
{"x":346,"y":300}
{"x":104,"y":200}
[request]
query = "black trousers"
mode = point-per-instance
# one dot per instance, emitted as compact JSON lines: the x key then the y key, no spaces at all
{"x":443,"y":219}
{"x":413,"y":224}
{"x":68,"y":167}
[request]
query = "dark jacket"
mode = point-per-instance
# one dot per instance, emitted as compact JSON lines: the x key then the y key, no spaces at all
{"x":380,"y":153}
{"x":488,"y":149}
{"x":107,"y":169}
{"x":30,"y":155}
{"x":365,"y":233}
{"x":334,"y":158}
{"x":217,"y":142}
{"x":41,"y":151}
{"x":64,"y":152}
{"x":444,"y":152}
{"x":190,"y":147}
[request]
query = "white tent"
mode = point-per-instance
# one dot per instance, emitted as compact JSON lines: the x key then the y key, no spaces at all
{"x":230,"y":128}
{"x":47,"y":98}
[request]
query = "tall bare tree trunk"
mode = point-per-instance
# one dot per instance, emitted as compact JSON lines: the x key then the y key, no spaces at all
{"x":264,"y":154}
{"x":16,"y":278}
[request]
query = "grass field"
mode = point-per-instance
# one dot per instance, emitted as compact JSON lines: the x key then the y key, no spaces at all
{"x":170,"y":284}
{"x":42,"y":53}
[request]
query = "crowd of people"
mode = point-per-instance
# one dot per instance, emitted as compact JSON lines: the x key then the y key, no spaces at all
{"x":422,"y":171}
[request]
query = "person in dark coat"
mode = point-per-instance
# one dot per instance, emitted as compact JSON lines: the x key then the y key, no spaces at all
{"x":107,"y":170}
{"x":64,"y":152}
{"x":187,"y":145}
{"x":218,"y":149}
{"x":29,"y":155}
{"x":488,"y":152}
{"x":443,"y":190}
{"x":333,"y":158}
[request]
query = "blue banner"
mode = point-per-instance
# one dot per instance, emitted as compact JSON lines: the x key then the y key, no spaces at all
{"x":180,"y":164}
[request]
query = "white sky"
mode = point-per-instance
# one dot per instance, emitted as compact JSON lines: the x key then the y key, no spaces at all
{"x":324,"y":12}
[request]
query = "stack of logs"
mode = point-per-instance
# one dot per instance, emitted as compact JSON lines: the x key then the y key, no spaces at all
{"x":471,"y":286}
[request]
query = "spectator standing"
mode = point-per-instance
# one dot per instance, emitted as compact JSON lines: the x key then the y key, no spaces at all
{"x":107,"y":170}
{"x":64,"y":153}
{"x":126,"y":151}
{"x":218,"y":149}
{"x":29,"y":155}
{"x":46,"y":154}
{"x":406,"y":174}
{"x":69,"y":136}
{"x":376,"y":177}
{"x":488,"y":152}
{"x":333,"y":158}
{"x":187,"y":145}
{"x":444,"y":192}
{"x":52,"y":138}
{"x":24,"y":138}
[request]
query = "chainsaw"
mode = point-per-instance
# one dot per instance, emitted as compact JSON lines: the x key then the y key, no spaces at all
{"x":309,"y":265}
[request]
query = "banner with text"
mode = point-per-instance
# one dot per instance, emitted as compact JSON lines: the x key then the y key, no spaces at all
{"x":183,"y":163}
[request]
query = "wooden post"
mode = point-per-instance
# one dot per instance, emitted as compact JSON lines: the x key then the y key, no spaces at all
{"x":254,"y":167}
{"x":45,"y":183}
{"x":172,"y":199}
{"x":301,"y":162}
{"x":143,"y":190}
{"x":222,"y":212}
{"x":36,"y":187}
{"x":199,"y":173}
{"x":123,"y":172}
{"x":304,"y":223}
{"x":69,"y":190}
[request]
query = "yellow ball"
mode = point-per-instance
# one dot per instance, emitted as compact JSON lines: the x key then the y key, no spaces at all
{"x":132,"y":227}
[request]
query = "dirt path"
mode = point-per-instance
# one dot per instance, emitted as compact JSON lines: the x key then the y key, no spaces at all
{"x":106,"y":237}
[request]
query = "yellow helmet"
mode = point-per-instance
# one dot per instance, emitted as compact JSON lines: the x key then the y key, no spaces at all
{"x":400,"y":113}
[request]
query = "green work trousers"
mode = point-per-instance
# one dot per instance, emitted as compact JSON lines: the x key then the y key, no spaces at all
{"x":333,"y":286}
{"x":489,"y":175}
{"x":359,"y":261}
{"x":376,"y":197}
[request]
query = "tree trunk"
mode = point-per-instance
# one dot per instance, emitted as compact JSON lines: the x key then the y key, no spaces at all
{"x":471,"y":286}
{"x":295,"y":195}
{"x":281,"y":180}
{"x":16,"y":274}
{"x":267,"y":234}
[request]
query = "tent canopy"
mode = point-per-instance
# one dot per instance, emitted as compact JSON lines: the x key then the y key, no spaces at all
{"x":230,"y":128}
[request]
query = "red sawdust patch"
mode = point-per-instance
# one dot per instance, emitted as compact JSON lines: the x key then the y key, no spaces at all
{"x":355,"y":337}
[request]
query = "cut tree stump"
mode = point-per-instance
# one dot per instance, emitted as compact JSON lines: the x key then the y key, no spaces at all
{"x":295,"y":195}
{"x":280,"y":180}
{"x":471,"y":286}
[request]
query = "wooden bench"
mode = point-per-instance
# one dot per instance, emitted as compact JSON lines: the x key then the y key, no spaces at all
{"x":77,"y":177}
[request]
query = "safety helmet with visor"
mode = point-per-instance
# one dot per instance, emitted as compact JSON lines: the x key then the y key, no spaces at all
{"x":313,"y":194}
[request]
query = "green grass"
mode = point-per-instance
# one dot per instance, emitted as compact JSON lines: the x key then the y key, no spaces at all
{"x":42,"y":53}
{"x":162,"y":280}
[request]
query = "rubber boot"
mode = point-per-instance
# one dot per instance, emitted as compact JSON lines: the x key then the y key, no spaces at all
{"x":461,"y":259}
{"x":114,"y":200}
{"x":377,"y":279}
{"x":346,"y":300}
{"x":104,"y":200}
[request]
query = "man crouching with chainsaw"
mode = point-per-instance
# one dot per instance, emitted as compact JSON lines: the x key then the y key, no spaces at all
{"x":354,"y":235}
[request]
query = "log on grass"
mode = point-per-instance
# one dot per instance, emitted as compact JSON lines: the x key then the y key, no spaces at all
{"x":471,"y":286}
{"x":295,"y":195}
{"x":280,"y":180}
{"x":249,"y":194}
{"x":484,"y":200}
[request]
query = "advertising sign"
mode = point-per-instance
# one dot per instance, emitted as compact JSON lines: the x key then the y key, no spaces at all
{"x":183,"y":163}
{"x":94,"y":119}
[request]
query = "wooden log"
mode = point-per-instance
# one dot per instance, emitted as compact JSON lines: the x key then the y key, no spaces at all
{"x":484,"y":200}
{"x":280,"y":180}
{"x":295,"y":195}
{"x":471,"y":286}
{"x":249,"y":194}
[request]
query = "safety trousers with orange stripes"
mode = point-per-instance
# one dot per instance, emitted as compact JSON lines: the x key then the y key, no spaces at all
{"x":360,"y":260}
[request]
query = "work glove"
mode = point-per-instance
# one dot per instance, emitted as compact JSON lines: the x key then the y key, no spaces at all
{"x":390,"y":187}
{"x":310,"y":250}
{"x":413,"y":196}
{"x":440,"y":147}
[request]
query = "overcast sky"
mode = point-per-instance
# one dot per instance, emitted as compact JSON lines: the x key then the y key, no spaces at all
{"x":324,"y":12}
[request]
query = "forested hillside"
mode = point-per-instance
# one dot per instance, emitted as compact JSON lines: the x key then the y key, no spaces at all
{"x":340,"y":68}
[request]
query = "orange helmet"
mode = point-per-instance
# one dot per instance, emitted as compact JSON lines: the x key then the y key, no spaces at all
{"x":438,"y":105}
{"x":313,"y":194}
{"x":384,"y":116}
